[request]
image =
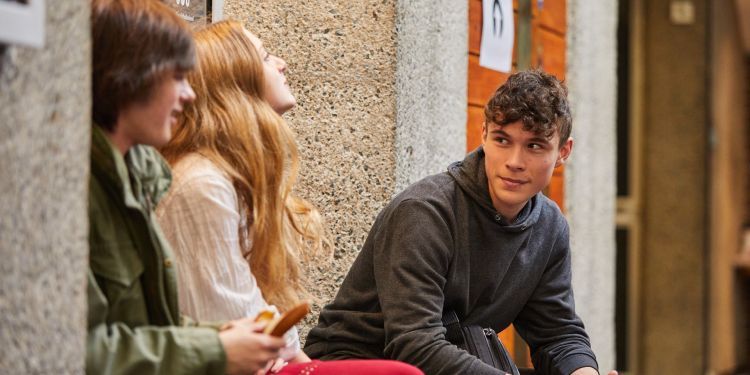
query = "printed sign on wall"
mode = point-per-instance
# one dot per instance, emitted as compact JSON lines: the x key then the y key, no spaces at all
{"x":198,"y":12}
{"x":193,"y":11}
{"x":496,"y":50}
{"x":22,"y":22}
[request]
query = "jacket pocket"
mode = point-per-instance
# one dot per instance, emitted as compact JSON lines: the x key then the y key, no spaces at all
{"x":118,"y":271}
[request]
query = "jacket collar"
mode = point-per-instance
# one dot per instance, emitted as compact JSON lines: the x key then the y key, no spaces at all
{"x":471,"y":176}
{"x":141,"y":177}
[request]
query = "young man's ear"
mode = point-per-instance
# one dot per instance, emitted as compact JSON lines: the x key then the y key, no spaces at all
{"x":484,"y":131}
{"x":565,"y":150}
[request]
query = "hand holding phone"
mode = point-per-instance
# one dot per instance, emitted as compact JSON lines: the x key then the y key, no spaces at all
{"x":278,"y":325}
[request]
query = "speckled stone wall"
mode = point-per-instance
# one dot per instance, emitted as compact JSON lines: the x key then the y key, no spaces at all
{"x":430,"y":86}
{"x":381,"y":90}
{"x":590,"y":173}
{"x":44,"y":143}
{"x":341,"y":67}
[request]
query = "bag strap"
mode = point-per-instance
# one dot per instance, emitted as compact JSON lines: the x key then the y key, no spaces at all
{"x":453,"y":334}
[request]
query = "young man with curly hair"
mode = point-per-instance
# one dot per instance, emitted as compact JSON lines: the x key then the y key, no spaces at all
{"x":480,"y":239}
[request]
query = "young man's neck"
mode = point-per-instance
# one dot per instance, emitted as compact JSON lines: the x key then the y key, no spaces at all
{"x":121,"y":142}
{"x":510,"y":214}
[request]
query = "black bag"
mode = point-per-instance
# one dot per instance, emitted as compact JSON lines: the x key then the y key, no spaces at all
{"x":482,"y":343}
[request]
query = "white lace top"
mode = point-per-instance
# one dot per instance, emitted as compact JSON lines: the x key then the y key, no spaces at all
{"x":200,"y":217}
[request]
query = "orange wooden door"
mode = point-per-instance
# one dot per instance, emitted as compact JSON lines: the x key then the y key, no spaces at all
{"x":548,"y":29}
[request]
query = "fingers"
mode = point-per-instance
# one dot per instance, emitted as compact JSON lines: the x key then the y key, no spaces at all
{"x":248,"y":351}
{"x":247,"y":323}
{"x":254,"y":333}
{"x":273,"y":367}
{"x":278,"y":365}
{"x":267,"y":368}
{"x":257,"y":327}
{"x":271,"y":343}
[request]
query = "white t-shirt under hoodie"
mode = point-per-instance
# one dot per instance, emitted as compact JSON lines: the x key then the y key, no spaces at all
{"x":200,"y":217}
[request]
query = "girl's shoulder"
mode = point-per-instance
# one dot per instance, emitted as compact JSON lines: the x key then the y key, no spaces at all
{"x":194,"y":168}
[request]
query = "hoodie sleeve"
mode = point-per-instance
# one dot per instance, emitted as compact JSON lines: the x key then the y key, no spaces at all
{"x":413,"y":250}
{"x":548,"y":322}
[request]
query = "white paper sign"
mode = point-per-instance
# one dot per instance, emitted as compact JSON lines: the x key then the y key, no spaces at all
{"x":196,"y":11}
{"x":22,"y":22}
{"x":193,"y":11}
{"x":496,"y":51}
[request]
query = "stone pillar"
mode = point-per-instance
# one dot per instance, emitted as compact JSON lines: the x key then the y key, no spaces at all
{"x":590,"y":174}
{"x":45,"y":100}
{"x":431,"y":86}
{"x":381,"y":90}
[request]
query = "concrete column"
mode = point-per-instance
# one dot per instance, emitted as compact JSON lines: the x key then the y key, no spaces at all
{"x":45,"y":100}
{"x":432,"y":69}
{"x":590,"y":174}
{"x":381,"y":90}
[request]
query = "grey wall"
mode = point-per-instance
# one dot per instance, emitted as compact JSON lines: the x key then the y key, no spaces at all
{"x":431,"y":72}
{"x":381,"y":103}
{"x":44,"y":147}
{"x":590,"y":173}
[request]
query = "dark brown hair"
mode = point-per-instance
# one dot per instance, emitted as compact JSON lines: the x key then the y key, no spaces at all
{"x":134,"y":42}
{"x":537,"y":99}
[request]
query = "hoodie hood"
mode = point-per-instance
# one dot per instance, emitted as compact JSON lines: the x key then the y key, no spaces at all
{"x":471,"y":177}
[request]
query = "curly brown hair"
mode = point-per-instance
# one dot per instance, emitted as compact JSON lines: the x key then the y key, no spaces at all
{"x":537,"y":99}
{"x":134,"y":42}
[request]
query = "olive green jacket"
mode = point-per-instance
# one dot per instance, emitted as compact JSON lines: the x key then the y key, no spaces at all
{"x":134,"y":326}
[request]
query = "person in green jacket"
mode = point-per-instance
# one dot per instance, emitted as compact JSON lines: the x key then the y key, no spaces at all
{"x":141,"y":54}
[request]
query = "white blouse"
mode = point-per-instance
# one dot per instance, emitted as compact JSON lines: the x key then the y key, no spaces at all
{"x":200,"y":217}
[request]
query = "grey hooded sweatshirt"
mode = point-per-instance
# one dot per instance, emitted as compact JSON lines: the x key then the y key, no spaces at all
{"x":441,"y":244}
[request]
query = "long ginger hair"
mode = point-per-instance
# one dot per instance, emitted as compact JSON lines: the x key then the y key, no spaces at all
{"x":235,"y":128}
